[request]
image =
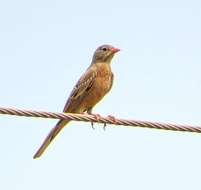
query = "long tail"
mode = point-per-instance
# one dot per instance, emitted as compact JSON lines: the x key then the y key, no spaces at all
{"x":53,"y":133}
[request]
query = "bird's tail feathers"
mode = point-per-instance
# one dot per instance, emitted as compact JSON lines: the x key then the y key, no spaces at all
{"x":53,"y":133}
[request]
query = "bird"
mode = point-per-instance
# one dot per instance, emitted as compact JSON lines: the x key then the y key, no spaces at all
{"x":92,"y":86}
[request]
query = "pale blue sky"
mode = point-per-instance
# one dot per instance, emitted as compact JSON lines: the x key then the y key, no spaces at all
{"x":44,"y":48}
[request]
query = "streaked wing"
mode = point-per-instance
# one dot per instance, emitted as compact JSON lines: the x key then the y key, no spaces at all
{"x":80,"y":90}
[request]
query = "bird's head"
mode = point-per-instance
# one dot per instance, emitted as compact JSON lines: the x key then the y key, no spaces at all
{"x":104,"y":53}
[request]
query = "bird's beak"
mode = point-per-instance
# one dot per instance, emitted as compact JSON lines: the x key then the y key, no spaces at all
{"x":115,"y":50}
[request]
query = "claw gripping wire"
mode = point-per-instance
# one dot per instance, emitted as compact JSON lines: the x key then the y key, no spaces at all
{"x":104,"y":120}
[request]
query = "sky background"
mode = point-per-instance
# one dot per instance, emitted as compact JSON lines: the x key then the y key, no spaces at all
{"x":44,"y":48}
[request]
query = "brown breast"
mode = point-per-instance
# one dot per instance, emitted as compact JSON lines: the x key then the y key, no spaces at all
{"x":100,"y":86}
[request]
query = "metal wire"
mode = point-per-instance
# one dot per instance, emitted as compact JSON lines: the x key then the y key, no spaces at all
{"x":100,"y":119}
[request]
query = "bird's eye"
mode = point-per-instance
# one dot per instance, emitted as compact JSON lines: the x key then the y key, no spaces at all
{"x":104,"y":49}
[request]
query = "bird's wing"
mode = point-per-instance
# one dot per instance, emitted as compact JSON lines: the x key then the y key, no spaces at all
{"x":78,"y":93}
{"x":80,"y":90}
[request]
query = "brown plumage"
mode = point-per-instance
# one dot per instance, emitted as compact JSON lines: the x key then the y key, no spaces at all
{"x":93,"y":85}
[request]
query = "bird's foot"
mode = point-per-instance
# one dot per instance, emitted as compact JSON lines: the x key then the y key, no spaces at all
{"x":112,"y":118}
{"x":97,"y":117}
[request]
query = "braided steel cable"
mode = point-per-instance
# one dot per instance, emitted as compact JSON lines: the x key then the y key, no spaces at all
{"x":100,"y":119}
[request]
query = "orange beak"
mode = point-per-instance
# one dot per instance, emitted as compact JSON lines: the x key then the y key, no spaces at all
{"x":115,"y":50}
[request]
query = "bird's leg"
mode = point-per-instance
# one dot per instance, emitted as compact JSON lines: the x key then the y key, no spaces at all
{"x":89,"y":111}
{"x":104,"y":126}
{"x":97,"y":116}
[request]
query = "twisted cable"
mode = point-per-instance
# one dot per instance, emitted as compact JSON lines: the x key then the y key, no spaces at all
{"x":100,"y":119}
